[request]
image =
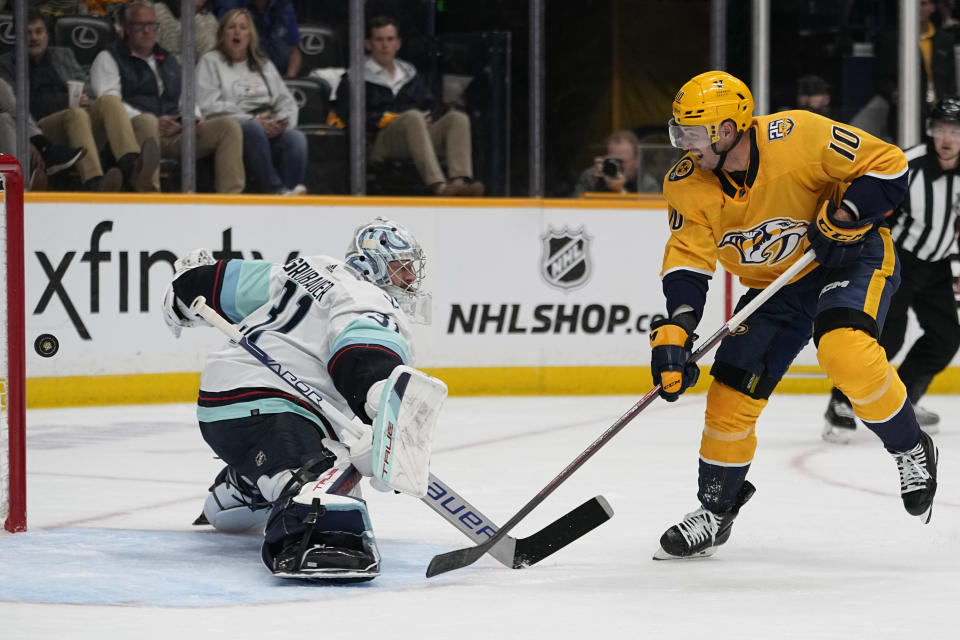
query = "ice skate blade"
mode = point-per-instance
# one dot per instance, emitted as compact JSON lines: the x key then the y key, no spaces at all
{"x":837,"y":435}
{"x":663,"y":555}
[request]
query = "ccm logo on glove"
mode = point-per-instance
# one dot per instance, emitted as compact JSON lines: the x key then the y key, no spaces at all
{"x":671,"y":346}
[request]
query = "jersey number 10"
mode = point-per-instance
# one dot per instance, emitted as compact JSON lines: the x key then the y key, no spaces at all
{"x":845,"y":142}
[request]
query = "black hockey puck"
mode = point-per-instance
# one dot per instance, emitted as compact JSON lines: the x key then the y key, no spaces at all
{"x":46,"y":345}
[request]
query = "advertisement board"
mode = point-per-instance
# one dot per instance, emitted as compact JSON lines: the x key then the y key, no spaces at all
{"x":528,"y":295}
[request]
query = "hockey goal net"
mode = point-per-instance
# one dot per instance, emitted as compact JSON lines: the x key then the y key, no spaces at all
{"x":13,"y":508}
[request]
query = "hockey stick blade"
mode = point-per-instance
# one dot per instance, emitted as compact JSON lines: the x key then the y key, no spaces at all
{"x":532,"y":549}
{"x":462,"y":557}
{"x":509,"y":551}
{"x":561,"y":532}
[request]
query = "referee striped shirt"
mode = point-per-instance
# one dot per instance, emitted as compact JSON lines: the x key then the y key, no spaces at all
{"x":924,"y":224}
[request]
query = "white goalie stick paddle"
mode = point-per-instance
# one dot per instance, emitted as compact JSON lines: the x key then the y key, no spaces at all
{"x":460,"y":558}
{"x":515,"y":553}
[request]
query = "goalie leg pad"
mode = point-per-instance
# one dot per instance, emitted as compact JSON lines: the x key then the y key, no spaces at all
{"x":409,"y":404}
{"x":319,"y":530}
{"x":234,"y":504}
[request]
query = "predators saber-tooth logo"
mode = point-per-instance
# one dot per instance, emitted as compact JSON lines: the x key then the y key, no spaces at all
{"x":565,"y":262}
{"x":768,"y":243}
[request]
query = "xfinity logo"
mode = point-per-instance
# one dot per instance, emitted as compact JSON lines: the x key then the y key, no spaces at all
{"x":565,"y":262}
{"x":129,"y":269}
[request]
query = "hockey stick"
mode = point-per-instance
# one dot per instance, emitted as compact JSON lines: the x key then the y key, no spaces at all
{"x":460,"y":558}
{"x":509,"y":551}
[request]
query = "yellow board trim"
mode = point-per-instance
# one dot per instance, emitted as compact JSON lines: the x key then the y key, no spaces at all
{"x":86,"y":391}
{"x":628,"y":203}
{"x":161,"y":388}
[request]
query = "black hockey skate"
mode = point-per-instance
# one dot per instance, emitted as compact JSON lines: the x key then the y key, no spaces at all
{"x":700,"y":533}
{"x":918,"y":477}
{"x":839,"y":422}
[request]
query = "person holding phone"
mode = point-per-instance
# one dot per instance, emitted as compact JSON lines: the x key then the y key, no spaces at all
{"x":238,"y":80}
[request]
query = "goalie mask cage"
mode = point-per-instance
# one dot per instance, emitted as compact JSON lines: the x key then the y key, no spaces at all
{"x":13,"y":485}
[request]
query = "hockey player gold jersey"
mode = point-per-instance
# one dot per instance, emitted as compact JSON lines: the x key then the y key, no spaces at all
{"x":756,"y":194}
{"x":759,"y":229}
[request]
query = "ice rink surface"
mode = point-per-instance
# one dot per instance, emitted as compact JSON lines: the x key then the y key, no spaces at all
{"x":824,"y":549}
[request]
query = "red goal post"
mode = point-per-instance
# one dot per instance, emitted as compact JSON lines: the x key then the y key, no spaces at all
{"x":13,"y":477}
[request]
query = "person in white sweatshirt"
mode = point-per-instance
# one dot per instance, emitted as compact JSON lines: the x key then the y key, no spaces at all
{"x":237,"y":79}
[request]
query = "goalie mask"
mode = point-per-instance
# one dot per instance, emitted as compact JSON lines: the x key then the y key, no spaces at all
{"x":386,"y":254}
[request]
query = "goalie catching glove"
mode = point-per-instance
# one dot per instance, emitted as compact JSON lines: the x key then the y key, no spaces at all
{"x":836,"y":242}
{"x":176,"y":312}
{"x":671,"y":345}
{"x":396,"y":452}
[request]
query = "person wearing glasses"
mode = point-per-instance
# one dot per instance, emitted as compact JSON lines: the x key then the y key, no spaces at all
{"x":924,"y":230}
{"x":146,"y":77}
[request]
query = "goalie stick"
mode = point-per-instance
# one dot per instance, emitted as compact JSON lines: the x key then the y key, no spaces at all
{"x":515,"y":553}
{"x":460,"y":558}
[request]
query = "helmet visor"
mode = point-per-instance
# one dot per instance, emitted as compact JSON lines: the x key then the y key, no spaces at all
{"x":687,"y":136}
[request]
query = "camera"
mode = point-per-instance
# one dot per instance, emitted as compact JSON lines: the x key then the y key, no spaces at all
{"x":611,"y":166}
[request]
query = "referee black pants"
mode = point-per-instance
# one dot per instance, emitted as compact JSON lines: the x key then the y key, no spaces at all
{"x":927,"y":288}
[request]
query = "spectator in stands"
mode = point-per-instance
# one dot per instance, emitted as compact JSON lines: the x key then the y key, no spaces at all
{"x":403,"y":116}
{"x":937,"y":61}
{"x":55,"y":8}
{"x":169,"y":31}
{"x":620,"y":171}
{"x":36,"y":178}
{"x":49,"y":71}
{"x":147,"y":78}
{"x":945,"y":20}
{"x":105,"y":7}
{"x":813,"y":94}
{"x":278,"y":29}
{"x":238,"y":80}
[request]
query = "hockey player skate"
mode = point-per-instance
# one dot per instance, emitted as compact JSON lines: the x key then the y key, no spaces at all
{"x":839,"y":422}
{"x":319,"y":528}
{"x":234,"y":504}
{"x":918,"y":477}
{"x":702,"y":531}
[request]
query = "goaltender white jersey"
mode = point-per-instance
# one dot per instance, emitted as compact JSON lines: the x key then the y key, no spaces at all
{"x":305,"y":314}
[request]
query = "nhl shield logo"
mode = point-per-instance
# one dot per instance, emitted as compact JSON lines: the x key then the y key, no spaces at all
{"x":565,"y":262}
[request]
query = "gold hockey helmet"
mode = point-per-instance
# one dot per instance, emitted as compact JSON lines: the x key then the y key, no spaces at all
{"x":711,"y":98}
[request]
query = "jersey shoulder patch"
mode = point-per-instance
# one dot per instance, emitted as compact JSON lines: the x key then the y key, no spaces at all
{"x":681,"y":170}
{"x":780,"y":129}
